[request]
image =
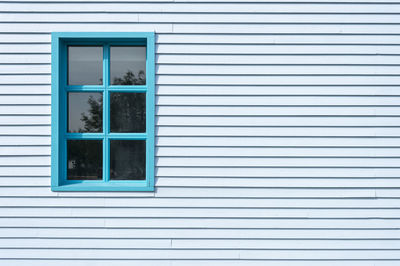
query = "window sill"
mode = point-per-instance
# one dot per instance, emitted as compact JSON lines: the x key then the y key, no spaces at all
{"x":121,"y":186}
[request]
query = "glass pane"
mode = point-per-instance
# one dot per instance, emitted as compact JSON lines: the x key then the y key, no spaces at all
{"x":127,"y":159}
{"x":85,"y":65}
{"x":127,"y":112}
{"x":85,"y":112}
{"x":128,"y":65}
{"x":85,"y":159}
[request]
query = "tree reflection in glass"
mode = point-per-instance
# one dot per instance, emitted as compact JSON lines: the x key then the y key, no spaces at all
{"x":128,"y":65}
{"x":127,"y":115}
{"x":127,"y":112}
{"x":85,"y":159}
{"x":127,"y":159}
{"x":85,"y":112}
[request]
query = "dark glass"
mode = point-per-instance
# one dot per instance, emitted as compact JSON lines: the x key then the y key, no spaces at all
{"x":127,"y":159}
{"x":128,"y":65}
{"x":85,"y":112}
{"x":85,"y":160}
{"x":85,"y":65}
{"x":127,"y":112}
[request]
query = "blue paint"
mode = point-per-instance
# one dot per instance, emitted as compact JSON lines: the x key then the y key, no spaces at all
{"x":59,"y":136}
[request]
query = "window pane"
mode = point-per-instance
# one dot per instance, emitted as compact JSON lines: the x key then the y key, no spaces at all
{"x":85,"y":159}
{"x":127,"y":112}
{"x":128,"y":65}
{"x":85,"y":112}
{"x":127,"y":160}
{"x":85,"y":65}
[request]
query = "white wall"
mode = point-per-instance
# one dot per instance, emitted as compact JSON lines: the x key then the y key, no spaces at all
{"x":277,"y":137}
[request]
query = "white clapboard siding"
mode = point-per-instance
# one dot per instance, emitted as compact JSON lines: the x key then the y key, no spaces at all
{"x":274,"y":152}
{"x":221,"y":90}
{"x":266,"y":203}
{"x":195,"y":223}
{"x":199,"y":262}
{"x":252,"y":100}
{"x":199,"y":213}
{"x":287,"y":59}
{"x":204,"y":233}
{"x":264,"y":38}
{"x":31,"y":89}
{"x":257,"y":131}
{"x":277,"y":137}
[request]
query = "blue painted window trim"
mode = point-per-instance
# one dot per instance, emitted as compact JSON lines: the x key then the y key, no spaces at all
{"x":59,"y":89}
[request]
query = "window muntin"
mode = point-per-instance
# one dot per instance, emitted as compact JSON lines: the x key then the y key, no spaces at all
{"x":104,"y":136}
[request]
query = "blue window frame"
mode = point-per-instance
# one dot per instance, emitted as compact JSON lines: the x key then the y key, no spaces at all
{"x":102,"y":117}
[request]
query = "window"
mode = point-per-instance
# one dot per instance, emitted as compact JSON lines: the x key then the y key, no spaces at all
{"x":102,"y":112}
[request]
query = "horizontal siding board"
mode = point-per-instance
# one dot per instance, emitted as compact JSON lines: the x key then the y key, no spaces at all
{"x":197,"y":254}
{"x":196,"y":192}
{"x":25,"y":58}
{"x":25,"y":79}
{"x":275,"y":69}
{"x":71,"y":17}
{"x":284,"y":244}
{"x":259,"y":121}
{"x":24,"y":37}
{"x":293,"y":101}
{"x":334,"y":80}
{"x":15,"y":191}
{"x":25,"y":120}
{"x":24,"y":150}
{"x":267,"y":18}
{"x":100,"y":233}
{"x":273,"y":152}
{"x":88,"y":27}
{"x":25,"y":110}
{"x":165,"y":90}
{"x":273,"y":111}
{"x":182,"y":262}
{"x":25,"y":69}
{"x":276,"y":49}
{"x":201,"y":244}
{"x":25,"y":48}
{"x":202,"y":7}
{"x":188,"y":192}
{"x":278,"y":141}
{"x":257,"y":182}
{"x":25,"y":130}
{"x":90,"y":243}
{"x":200,"y":18}
{"x":275,"y":172}
{"x":195,"y":223}
{"x":25,"y":99}
{"x":322,"y":59}
{"x":293,"y":28}
{"x":62,"y":200}
{"x":31,"y":89}
{"x":272,"y":162}
{"x":176,"y":38}
{"x":25,"y":161}
{"x":156,"y":213}
{"x":265,"y":131}
{"x":26,"y":170}
{"x":122,"y":254}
